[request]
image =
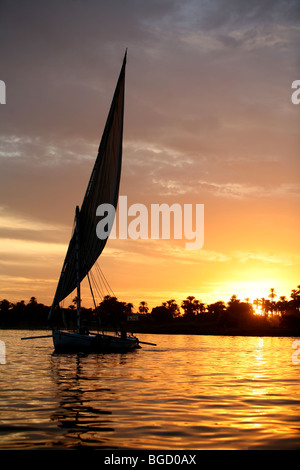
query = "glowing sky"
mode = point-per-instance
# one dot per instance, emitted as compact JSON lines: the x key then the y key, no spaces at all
{"x":208,"y":120}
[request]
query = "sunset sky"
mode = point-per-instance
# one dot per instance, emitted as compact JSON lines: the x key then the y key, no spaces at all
{"x":208,"y":120}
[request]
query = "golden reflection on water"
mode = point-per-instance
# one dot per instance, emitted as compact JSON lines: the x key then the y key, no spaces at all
{"x":190,"y":392}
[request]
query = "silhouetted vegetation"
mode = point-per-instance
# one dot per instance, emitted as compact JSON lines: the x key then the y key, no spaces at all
{"x":263,"y":316}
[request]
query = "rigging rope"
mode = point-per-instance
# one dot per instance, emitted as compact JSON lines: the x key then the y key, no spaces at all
{"x":104,"y":280}
{"x":99,"y":283}
{"x":91,"y":289}
{"x":98,"y":288}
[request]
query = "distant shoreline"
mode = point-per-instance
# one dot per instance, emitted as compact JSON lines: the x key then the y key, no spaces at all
{"x":170,"y":330}
{"x":234,"y":331}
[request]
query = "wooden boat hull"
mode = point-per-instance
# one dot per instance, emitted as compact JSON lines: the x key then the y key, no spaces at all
{"x":74,"y":342}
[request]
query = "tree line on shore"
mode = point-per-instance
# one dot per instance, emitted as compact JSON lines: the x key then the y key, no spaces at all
{"x":283,"y":313}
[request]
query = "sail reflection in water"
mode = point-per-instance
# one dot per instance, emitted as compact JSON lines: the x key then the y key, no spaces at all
{"x":190,"y":392}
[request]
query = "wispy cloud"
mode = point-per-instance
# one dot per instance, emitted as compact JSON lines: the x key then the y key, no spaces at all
{"x":284,"y":259}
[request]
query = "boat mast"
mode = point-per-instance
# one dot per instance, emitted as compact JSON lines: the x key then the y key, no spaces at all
{"x":77,"y":268}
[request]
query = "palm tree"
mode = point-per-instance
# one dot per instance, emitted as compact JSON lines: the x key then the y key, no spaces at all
{"x":202,"y":307}
{"x":196,"y":306}
{"x":233,"y":299}
{"x":217,"y":308}
{"x":188,"y":305}
{"x":256,"y":303}
{"x":265,"y":306}
{"x":5,"y":305}
{"x":281,"y":305}
{"x":173,"y":307}
{"x":128,"y":308}
{"x":20,"y":306}
{"x":294,"y":294}
{"x":143,"y":307}
{"x":272,"y":296}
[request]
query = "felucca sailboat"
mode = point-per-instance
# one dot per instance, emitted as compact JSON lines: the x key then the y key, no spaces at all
{"x":85,"y":247}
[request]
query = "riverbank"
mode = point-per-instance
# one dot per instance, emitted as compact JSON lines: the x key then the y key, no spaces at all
{"x":186,"y":330}
{"x":174,"y":329}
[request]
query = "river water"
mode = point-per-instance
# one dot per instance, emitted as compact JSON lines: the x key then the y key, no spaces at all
{"x":188,"y":392}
